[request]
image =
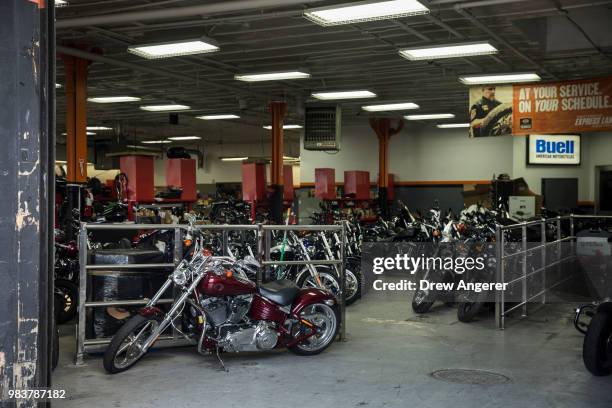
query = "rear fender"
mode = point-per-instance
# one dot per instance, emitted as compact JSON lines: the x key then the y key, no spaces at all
{"x":311,"y":296}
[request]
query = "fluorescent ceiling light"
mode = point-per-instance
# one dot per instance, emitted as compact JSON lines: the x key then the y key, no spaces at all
{"x":57,"y":86}
{"x":88,"y":134}
{"x":174,"y":48}
{"x":448,"y":51}
{"x":453,"y":125}
{"x":500,"y":78}
{"x":272,"y":76}
{"x":286,"y":127}
{"x":231,"y":159}
{"x":155,"y":141}
{"x":185,"y":138}
{"x":113,"y":99}
{"x":343,"y":95}
{"x":61,"y":3}
{"x":99,"y":128}
{"x":430,"y":116}
{"x":390,"y":107}
{"x":365,"y":11}
{"x":165,"y":108}
{"x":217,"y":117}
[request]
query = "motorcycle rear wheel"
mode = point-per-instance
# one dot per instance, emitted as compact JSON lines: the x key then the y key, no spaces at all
{"x":325,"y":317}
{"x":127,"y":342}
{"x":597,"y":346}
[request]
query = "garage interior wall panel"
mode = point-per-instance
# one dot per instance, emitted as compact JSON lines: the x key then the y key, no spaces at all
{"x":288,"y":193}
{"x":253,"y":181}
{"x":357,"y":184}
{"x":181,"y":173}
{"x":325,"y":183}
{"x":139,"y":171}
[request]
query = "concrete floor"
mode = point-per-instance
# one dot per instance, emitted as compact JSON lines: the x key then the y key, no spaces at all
{"x":386,"y":362}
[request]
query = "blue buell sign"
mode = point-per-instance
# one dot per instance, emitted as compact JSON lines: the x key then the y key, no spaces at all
{"x":553,"y":149}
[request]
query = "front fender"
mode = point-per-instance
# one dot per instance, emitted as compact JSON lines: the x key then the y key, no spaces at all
{"x":311,"y":296}
{"x":151,"y":311}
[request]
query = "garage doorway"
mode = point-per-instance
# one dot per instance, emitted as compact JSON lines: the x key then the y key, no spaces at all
{"x":604,"y":187}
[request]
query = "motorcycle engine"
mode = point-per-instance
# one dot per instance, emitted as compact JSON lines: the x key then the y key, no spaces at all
{"x":262,"y":336}
{"x":231,"y":310}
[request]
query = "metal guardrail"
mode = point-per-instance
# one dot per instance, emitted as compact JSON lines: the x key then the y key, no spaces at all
{"x":263,"y":237}
{"x":545,"y":263}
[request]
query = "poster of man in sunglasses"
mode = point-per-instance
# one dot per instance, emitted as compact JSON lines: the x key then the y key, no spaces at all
{"x":490,"y":111}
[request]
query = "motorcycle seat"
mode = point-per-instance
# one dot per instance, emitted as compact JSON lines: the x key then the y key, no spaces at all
{"x":281,"y":292}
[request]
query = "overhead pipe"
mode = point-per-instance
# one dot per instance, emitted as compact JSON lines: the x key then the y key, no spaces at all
{"x":138,"y":67}
{"x":178,"y":12}
{"x":459,"y":8}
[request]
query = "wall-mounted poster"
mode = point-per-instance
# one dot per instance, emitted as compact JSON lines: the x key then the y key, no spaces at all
{"x":563,"y":107}
{"x":553,"y":149}
{"x":490,"y":111}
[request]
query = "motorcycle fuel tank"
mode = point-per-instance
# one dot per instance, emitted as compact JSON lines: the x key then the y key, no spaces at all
{"x":224,"y":285}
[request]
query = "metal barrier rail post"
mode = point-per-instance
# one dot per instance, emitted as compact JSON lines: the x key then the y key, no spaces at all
{"x":524,"y":267}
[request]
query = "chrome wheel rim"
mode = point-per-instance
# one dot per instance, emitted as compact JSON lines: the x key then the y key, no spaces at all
{"x":131,"y":349}
{"x":351,"y":284}
{"x":324,"y":318}
{"x":330,"y":283}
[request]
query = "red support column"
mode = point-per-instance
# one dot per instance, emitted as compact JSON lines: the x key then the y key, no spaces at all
{"x":277,"y":110}
{"x":382,"y":127}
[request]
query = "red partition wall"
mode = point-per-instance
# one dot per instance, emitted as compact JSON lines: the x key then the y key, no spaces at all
{"x":357,"y":184}
{"x":140,"y":173}
{"x":325,"y":184}
{"x":253,"y":182}
{"x":288,"y":183}
{"x":181,"y":173}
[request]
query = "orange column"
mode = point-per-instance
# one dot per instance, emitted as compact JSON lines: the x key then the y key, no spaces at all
{"x":76,"y":118}
{"x":277,"y":110}
{"x":382,"y":127}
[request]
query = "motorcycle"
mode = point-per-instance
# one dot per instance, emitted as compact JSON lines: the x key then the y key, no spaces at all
{"x":223,"y":311}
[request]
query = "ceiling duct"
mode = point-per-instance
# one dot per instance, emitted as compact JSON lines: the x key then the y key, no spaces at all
{"x":177,"y":12}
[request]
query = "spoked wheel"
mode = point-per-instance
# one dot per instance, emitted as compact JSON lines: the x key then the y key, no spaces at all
{"x":328,"y":279}
{"x":326,"y":321}
{"x":126,"y":347}
{"x":597,"y":347}
{"x":422,"y":301}
{"x":352,"y":286}
{"x":69,"y":293}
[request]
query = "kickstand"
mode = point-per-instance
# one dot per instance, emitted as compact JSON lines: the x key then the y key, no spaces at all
{"x":221,"y":361}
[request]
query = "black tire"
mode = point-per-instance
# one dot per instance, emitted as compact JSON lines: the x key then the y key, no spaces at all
{"x":597,"y":347}
{"x":300,"y":349}
{"x":69,"y":293}
{"x":136,"y":322}
{"x":467,"y":311}
{"x":357,"y":294}
{"x":422,"y":301}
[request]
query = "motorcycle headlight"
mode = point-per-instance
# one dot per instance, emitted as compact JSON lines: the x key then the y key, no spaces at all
{"x":179,"y":276}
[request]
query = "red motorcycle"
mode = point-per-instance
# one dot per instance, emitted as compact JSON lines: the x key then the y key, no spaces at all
{"x":221,"y":310}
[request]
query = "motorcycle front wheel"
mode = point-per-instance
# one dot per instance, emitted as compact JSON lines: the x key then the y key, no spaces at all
{"x":125,"y":349}
{"x":597,"y":347}
{"x":327,"y":320}
{"x":69,"y":293}
{"x":422,"y":301}
{"x":329,"y":280}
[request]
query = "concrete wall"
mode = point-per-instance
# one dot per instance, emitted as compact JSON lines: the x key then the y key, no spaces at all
{"x":431,"y":154}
